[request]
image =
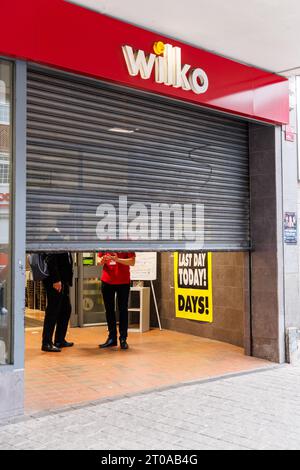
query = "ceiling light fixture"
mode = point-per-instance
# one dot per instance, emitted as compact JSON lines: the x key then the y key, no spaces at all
{"x":122,"y":131}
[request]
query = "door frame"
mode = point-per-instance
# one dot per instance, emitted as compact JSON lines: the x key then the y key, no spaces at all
{"x":19,"y":213}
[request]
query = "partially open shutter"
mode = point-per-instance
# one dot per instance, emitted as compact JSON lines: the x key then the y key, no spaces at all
{"x":92,"y":143}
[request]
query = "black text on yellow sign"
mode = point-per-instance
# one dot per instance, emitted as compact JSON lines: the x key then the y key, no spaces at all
{"x":193,"y":286}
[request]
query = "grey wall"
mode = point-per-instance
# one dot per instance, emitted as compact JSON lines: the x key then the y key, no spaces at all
{"x":275,"y":190}
{"x":267,"y":283}
{"x":290,"y":196}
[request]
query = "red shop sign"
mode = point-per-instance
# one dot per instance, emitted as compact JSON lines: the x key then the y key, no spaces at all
{"x":63,"y":35}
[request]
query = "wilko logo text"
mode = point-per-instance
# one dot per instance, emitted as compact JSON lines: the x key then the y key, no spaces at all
{"x":166,"y":66}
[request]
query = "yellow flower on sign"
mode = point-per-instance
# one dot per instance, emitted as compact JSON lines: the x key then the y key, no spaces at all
{"x":158,"y":47}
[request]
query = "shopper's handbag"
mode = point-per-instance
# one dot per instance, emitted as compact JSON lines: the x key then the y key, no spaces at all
{"x":39,"y":266}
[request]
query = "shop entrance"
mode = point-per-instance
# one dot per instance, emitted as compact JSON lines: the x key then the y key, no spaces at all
{"x":183,"y":351}
{"x":173,"y":177}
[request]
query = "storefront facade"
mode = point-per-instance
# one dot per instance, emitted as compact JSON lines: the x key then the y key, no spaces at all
{"x":120,"y":139}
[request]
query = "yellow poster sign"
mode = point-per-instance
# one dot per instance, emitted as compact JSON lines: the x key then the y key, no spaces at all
{"x":193,"y":286}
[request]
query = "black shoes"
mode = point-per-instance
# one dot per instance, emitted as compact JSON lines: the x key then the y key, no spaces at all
{"x":109,"y":343}
{"x":123,"y":344}
{"x":64,"y":344}
{"x":50,"y":348}
{"x":57,"y":347}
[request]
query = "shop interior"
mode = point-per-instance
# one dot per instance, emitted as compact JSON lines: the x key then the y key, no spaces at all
{"x":163,"y":350}
{"x":86,"y":298}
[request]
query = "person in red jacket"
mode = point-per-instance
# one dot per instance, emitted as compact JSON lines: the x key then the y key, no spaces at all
{"x":116,"y":281}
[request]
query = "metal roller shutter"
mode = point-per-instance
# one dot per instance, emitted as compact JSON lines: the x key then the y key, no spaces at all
{"x":90,"y":143}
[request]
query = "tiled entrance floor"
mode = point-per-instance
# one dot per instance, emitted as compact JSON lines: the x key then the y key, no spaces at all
{"x":155,"y":359}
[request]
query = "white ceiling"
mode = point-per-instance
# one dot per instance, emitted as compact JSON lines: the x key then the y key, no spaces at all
{"x":264,"y":33}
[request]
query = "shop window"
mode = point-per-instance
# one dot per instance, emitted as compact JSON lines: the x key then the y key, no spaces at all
{"x":5,"y":212}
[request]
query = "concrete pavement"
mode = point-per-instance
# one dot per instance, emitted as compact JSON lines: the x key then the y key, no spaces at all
{"x":260,"y":410}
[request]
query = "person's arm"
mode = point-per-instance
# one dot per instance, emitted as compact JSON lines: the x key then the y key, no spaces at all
{"x":54,"y":271}
{"x":102,"y":258}
{"x":126,"y":262}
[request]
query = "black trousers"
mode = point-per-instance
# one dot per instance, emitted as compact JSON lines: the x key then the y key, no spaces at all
{"x":109,"y":291}
{"x":57,"y":315}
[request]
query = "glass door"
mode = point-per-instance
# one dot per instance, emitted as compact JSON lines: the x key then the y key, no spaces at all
{"x":90,"y":302}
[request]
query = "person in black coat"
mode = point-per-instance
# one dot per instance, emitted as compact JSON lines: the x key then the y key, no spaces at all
{"x":58,"y":310}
